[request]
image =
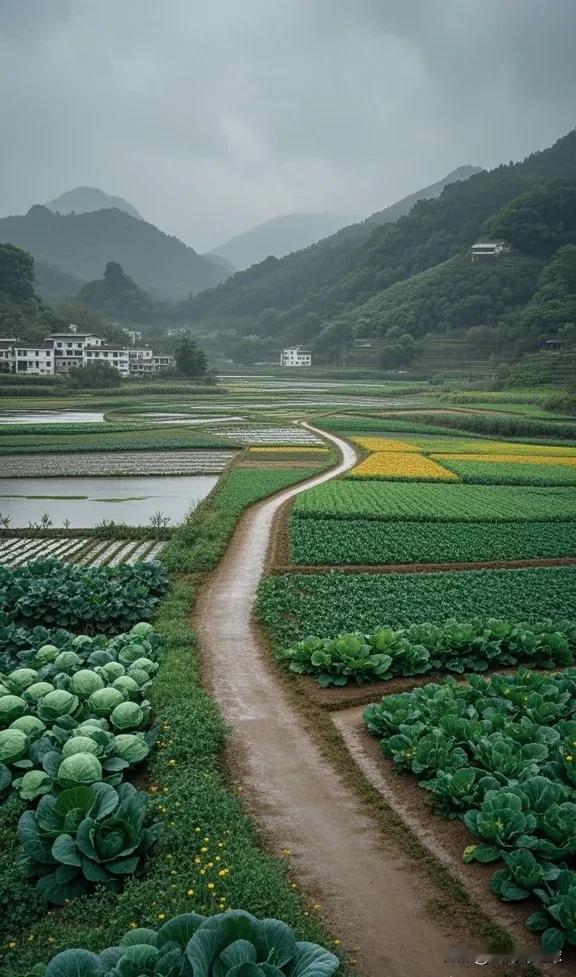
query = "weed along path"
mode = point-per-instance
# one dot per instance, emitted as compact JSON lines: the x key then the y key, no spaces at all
{"x":373,"y":895}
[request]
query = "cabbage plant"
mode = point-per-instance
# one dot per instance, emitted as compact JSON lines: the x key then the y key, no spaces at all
{"x":231,"y":944}
{"x":85,"y":836}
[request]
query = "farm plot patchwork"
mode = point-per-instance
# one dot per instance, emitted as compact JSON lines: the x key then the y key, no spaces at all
{"x":117,"y":463}
{"x":84,"y":551}
{"x":346,"y":499}
{"x":294,"y":606}
{"x":356,"y":541}
{"x":244,"y":486}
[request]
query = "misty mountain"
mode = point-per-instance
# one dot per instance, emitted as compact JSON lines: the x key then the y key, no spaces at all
{"x":117,"y":296}
{"x":82,"y":200}
{"x":278,"y":237}
{"x":54,"y":285}
{"x":320,"y":295}
{"x":22,"y":313}
{"x":81,"y":245}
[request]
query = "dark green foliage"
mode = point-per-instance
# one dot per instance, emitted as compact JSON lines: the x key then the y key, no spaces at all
{"x":539,"y":221}
{"x":117,"y":296}
{"x":94,"y":376}
{"x":21,"y":312}
{"x":468,"y":646}
{"x":326,"y":604}
{"x":190,"y":361}
{"x":333,"y":541}
{"x":16,"y":273}
{"x":54,"y":594}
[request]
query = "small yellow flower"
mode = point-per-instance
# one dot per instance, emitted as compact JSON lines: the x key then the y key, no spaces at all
{"x":202,"y":871}
{"x":211,"y":885}
{"x":210,"y":865}
{"x":223,"y":872}
{"x":220,"y":844}
{"x":286,"y":851}
{"x":190,"y":892}
{"x":204,"y":849}
{"x":206,"y":838}
{"x":197,"y":860}
{"x":30,"y":939}
{"x":316,"y":905}
{"x":171,"y":763}
{"x":197,"y":830}
{"x":161,"y":915}
{"x":50,"y":939}
{"x":336,"y":942}
{"x":569,"y":758}
{"x":133,"y":926}
{"x":12,"y":945}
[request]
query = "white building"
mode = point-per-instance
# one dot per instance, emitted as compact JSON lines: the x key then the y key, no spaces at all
{"x":116,"y":356}
{"x":295,"y":356}
{"x":36,"y":359}
{"x":140,"y":362}
{"x":489,"y":249}
{"x":163,"y":362}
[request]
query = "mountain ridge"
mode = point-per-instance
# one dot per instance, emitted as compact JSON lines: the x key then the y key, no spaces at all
{"x":83,"y":200}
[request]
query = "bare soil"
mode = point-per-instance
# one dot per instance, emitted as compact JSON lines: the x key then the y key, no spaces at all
{"x":373,"y":894}
{"x":553,"y":561}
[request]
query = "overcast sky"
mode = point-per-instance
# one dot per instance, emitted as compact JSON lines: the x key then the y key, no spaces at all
{"x":211,"y":116}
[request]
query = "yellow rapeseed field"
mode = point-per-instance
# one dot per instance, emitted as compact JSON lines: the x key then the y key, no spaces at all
{"x":401,"y":465}
{"x":385,"y":444}
{"x":471,"y":446}
{"x":510,"y":458}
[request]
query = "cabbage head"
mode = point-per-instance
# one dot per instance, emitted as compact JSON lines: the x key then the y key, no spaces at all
{"x":142,"y":629}
{"x":34,"y":783}
{"x":127,"y":686}
{"x":11,"y":707}
{"x":80,"y":744}
{"x":127,"y":715}
{"x":79,"y":770}
{"x":46,"y":654}
{"x":57,"y":704}
{"x":68,"y":661}
{"x":84,"y":682}
{"x":13,"y":745}
{"x":112,"y":670}
{"x":146,"y":664}
{"x":21,"y":678}
{"x":103,"y":701}
{"x":132,"y":747}
{"x":31,"y":725}
{"x":36,"y":691}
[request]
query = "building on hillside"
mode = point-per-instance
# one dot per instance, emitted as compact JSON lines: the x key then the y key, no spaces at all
{"x":140,"y":361}
{"x":295,"y":356}
{"x":163,"y":362}
{"x":35,"y":359}
{"x":116,"y":356}
{"x":7,"y":353}
{"x":489,"y":249}
{"x":133,"y":335}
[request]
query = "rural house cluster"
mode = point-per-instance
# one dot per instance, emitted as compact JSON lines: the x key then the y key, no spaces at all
{"x":63,"y":351}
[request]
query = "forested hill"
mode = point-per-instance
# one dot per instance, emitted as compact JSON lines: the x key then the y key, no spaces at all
{"x":22,"y":313}
{"x":310,"y":293}
{"x":82,"y":244}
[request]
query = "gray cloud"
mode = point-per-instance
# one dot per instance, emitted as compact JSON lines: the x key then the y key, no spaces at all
{"x":212,"y":117}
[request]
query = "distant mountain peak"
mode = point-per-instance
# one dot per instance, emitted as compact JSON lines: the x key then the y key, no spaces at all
{"x":279,"y":236}
{"x":83,"y":200}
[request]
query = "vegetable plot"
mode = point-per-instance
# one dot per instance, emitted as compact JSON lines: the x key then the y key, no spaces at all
{"x":295,"y":605}
{"x":83,"y":551}
{"x":55,"y":594}
{"x":231,"y":944}
{"x":72,"y":723}
{"x":491,"y":471}
{"x":469,"y":646}
{"x":401,"y":466}
{"x":344,"y":499}
{"x":500,"y":755}
{"x":338,"y":541}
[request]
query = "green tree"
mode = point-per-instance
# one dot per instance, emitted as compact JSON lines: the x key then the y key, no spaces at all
{"x":95,"y":376}
{"x":190,"y":360}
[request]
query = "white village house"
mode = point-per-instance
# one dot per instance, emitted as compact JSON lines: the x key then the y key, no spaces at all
{"x":295,"y":356}
{"x":489,"y":249}
{"x":64,"y":350}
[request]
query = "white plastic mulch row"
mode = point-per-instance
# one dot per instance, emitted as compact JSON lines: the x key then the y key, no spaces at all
{"x":270,"y":435}
{"x":96,"y":463}
{"x":85,"y":551}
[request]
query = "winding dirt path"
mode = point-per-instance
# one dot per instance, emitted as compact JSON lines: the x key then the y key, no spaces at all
{"x":372,"y":895}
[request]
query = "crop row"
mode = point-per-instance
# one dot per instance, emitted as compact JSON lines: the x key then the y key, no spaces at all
{"x":489,"y":472}
{"x":338,"y":541}
{"x":244,"y":486}
{"x":83,"y":551}
{"x":161,"y":439}
{"x":117,"y":463}
{"x":467,"y":646}
{"x":294,"y":605}
{"x":270,"y":435}
{"x":499,"y":755}
{"x":345,"y":499}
